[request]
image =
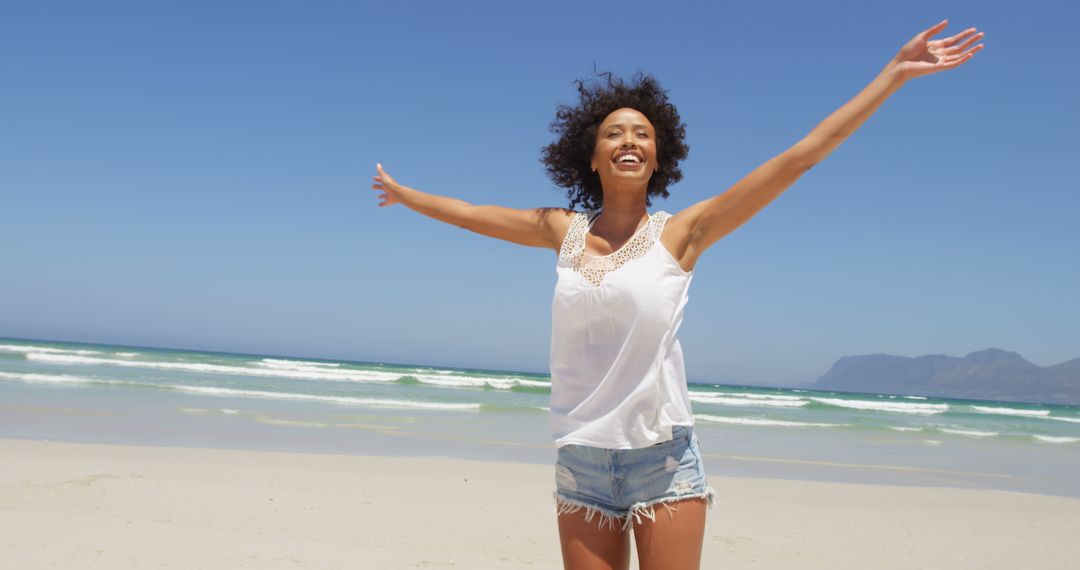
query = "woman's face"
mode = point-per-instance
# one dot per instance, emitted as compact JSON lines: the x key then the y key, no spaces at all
{"x":625,"y":148}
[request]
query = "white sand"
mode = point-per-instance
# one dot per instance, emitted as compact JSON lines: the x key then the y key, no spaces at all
{"x":84,"y":506}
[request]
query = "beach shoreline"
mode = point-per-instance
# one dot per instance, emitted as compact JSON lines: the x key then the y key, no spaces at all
{"x":157,"y":397}
{"x":91,"y":505}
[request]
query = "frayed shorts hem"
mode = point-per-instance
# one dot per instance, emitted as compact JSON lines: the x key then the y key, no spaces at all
{"x":646,"y":509}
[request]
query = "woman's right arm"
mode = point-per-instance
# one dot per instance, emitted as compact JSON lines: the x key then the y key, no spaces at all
{"x":538,"y":227}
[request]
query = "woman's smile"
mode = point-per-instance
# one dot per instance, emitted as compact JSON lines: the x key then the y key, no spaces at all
{"x":629,"y":160}
{"x":628,"y":139}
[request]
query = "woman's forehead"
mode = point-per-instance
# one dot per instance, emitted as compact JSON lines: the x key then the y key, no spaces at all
{"x":626,"y":116}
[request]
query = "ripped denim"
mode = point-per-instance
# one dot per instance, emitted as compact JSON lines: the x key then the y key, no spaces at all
{"x":625,"y":485}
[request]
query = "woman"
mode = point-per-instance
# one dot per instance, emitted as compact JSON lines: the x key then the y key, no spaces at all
{"x":620,"y":413}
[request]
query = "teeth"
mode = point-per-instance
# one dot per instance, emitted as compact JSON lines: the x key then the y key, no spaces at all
{"x":628,"y":158}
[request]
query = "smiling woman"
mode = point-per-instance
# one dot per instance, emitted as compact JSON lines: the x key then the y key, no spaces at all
{"x":644,"y":110}
{"x":620,"y":411}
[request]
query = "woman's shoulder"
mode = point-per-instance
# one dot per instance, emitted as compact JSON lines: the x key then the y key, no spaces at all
{"x":562,"y":222}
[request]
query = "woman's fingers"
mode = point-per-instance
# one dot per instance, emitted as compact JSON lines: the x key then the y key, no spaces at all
{"x":383,"y":176}
{"x":383,"y":183}
{"x":958,"y":37}
{"x":933,"y":29}
{"x":383,"y":197}
{"x":952,"y":40}
{"x":952,"y":57}
{"x":963,"y":46}
{"x":955,"y":60}
{"x":387,"y":185}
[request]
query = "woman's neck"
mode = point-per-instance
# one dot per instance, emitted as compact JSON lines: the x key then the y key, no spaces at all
{"x":621,"y":215}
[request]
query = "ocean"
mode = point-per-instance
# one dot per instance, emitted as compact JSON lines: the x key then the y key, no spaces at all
{"x":152,"y":396}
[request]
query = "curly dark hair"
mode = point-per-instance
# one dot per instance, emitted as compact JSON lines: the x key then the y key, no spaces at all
{"x":568,"y":158}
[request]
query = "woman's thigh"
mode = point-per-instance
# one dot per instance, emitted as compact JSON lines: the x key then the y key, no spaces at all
{"x":674,"y":540}
{"x":587,"y":546}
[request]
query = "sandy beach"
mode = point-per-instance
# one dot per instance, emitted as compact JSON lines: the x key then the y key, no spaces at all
{"x":74,"y":505}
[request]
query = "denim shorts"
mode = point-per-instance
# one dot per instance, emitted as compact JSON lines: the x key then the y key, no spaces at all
{"x":626,"y":484}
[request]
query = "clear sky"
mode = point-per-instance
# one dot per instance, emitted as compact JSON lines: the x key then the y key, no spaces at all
{"x":197,"y":175}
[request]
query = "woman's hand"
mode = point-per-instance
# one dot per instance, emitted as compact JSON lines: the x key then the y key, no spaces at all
{"x":390,"y":188}
{"x":923,"y":56}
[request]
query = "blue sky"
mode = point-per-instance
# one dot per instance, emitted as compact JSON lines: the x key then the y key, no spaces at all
{"x":196,"y":175}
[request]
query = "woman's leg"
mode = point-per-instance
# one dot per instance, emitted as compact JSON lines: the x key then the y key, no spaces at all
{"x":674,"y":540}
{"x":586,"y":546}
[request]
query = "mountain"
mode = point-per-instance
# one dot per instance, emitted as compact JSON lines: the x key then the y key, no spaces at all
{"x":991,"y":374}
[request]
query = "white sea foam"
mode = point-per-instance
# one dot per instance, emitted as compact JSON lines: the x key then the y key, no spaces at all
{"x":284,"y":422}
{"x":904,"y":428}
{"x":290,"y":369}
{"x":915,"y":397}
{"x":1011,"y":412}
{"x":368,"y":402}
{"x":1070,"y":420}
{"x":932,"y":441}
{"x":204,"y":411}
{"x":295,"y":364}
{"x":477,"y":381}
{"x":126,"y":354}
{"x":48,"y":378}
{"x":1056,"y":439}
{"x":899,"y":407}
{"x":761,"y":421}
{"x":313,"y":374}
{"x":969,"y":432}
{"x":710,"y":399}
{"x":46,"y":349}
{"x":750,"y":396}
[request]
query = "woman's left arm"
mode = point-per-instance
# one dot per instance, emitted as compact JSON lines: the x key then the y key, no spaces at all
{"x":713,"y":218}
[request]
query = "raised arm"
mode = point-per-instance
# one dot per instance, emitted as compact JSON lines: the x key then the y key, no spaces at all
{"x":537,"y":227}
{"x":709,"y":220}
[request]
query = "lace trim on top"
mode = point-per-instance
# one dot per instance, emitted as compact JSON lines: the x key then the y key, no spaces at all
{"x":595,"y":267}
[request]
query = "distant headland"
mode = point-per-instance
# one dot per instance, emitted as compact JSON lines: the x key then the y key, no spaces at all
{"x":991,"y":374}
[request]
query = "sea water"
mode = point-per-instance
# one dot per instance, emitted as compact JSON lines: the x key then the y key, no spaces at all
{"x":153,"y":396}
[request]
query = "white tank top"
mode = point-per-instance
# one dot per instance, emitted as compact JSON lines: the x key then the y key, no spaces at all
{"x":617,"y":374}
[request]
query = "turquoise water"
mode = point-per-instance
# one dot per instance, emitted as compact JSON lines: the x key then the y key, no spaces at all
{"x":85,"y":392}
